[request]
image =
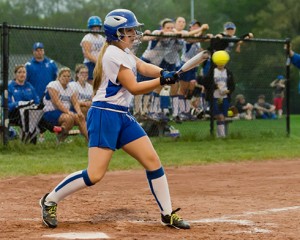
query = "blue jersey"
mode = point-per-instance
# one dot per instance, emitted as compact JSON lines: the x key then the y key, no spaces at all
{"x":296,"y":60}
{"x":39,"y":74}
{"x":18,"y":93}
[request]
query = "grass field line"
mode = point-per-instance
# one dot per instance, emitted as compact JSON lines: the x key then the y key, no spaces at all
{"x":245,"y":214}
{"x":231,"y":219}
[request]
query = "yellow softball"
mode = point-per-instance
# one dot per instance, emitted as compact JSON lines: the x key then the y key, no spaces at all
{"x":220,"y":58}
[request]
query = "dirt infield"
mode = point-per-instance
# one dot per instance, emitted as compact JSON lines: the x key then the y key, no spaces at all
{"x":252,"y":200}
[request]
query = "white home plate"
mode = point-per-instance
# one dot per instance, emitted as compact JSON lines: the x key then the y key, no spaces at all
{"x":79,"y":235}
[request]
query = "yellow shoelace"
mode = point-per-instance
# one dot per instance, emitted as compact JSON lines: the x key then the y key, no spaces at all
{"x":52,"y":211}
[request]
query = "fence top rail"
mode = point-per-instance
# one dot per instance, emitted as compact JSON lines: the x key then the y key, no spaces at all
{"x":235,"y":39}
{"x":175,"y":35}
{"x":56,"y":29}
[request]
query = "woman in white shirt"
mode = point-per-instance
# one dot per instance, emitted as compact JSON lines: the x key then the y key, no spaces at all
{"x":111,"y":126}
{"x":83,"y":90}
{"x":91,"y":45}
{"x":61,"y":106}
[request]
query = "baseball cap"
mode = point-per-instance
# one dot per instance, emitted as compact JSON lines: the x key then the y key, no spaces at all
{"x":37,"y":45}
{"x":195,"y":22}
{"x":280,"y":77}
{"x":229,"y":25}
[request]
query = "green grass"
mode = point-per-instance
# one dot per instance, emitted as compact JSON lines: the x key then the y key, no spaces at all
{"x":249,"y":140}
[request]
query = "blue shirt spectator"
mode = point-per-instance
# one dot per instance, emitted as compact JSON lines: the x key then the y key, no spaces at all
{"x":295,"y":59}
{"x":18,"y":93}
{"x":40,"y":70}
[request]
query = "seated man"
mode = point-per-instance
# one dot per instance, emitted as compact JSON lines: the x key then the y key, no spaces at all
{"x":244,"y":108}
{"x":263,"y":109}
{"x":23,"y":107}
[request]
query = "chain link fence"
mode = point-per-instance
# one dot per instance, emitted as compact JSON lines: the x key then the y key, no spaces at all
{"x":258,"y":64}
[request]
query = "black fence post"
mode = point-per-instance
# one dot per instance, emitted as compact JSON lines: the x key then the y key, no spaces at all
{"x":5,"y":69}
{"x":288,"y":63}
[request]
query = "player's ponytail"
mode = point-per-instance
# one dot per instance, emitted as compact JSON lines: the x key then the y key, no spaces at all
{"x":98,"y":70}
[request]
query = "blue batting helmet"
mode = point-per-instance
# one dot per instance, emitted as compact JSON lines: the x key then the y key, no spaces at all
{"x":94,"y":21}
{"x":116,"y":19}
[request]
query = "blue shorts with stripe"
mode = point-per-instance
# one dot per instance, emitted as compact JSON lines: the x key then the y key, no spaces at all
{"x":189,"y":75}
{"x":90,"y":66}
{"x":53,"y":116}
{"x":111,"y":126}
{"x":220,"y":106}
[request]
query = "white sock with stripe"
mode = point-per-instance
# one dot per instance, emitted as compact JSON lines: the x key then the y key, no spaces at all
{"x":69,"y":185}
{"x":159,"y":187}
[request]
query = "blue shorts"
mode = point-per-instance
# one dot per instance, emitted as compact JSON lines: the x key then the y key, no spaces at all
{"x":90,"y":66}
{"x":111,"y":126}
{"x":189,"y":75}
{"x":53,"y":116}
{"x":220,"y":106}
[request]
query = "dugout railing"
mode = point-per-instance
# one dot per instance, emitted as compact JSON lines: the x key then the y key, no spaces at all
{"x":255,"y":67}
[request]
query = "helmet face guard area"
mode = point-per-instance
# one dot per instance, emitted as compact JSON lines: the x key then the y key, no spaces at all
{"x":122,"y":32}
{"x":117,"y":21}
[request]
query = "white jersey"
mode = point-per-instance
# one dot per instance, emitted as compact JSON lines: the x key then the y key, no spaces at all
{"x":162,"y":49}
{"x":97,"y":42}
{"x":63,"y":94}
{"x":220,"y":79}
{"x":190,"y":50}
{"x":84,"y":93}
{"x":110,"y":90}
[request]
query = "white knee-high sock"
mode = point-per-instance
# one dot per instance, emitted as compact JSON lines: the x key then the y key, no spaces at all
{"x":175,"y":105}
{"x":187,"y":105}
{"x":221,"y":129}
{"x":181,"y":104}
{"x":155,"y":103}
{"x":159,"y":187}
{"x":146,"y":100}
{"x":69,"y":185}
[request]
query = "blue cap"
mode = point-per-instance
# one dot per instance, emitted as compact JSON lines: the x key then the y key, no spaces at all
{"x":280,"y":77}
{"x":195,"y":22}
{"x":229,"y":25}
{"x":37,"y":45}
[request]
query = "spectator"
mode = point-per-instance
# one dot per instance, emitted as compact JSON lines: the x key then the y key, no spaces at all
{"x":295,"y":58}
{"x":161,"y":52}
{"x":244,"y":109}
{"x":279,"y":87}
{"x":198,"y":102}
{"x":40,"y":70}
{"x":219,"y":85}
{"x":263,"y":109}
{"x":229,"y":32}
{"x":83,"y":90}
{"x":218,"y":43}
{"x":62,"y":107}
{"x":176,"y":99}
{"x":187,"y":80}
{"x":22,"y":99}
{"x":91,"y":45}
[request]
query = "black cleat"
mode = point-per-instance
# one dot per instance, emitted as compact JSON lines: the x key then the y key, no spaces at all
{"x":174,"y":221}
{"x":48,"y":212}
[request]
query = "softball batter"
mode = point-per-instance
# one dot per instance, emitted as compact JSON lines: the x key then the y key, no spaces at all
{"x":111,"y":126}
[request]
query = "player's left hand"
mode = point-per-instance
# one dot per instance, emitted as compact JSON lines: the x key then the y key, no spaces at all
{"x":168,"y":77}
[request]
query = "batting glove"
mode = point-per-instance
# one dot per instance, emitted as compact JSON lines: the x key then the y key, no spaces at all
{"x":168,"y":77}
